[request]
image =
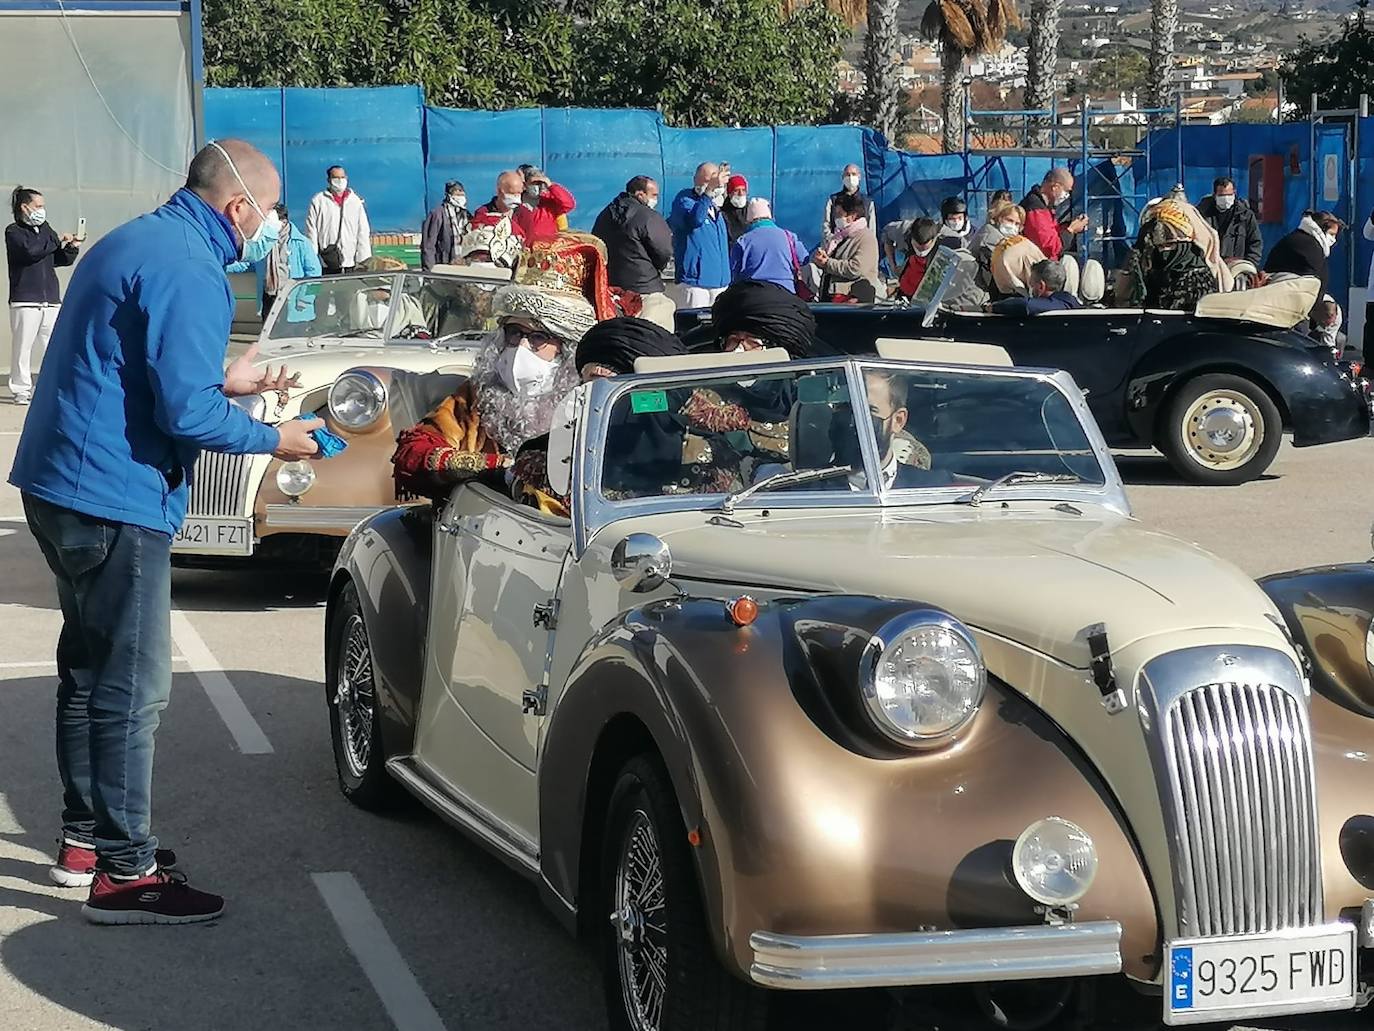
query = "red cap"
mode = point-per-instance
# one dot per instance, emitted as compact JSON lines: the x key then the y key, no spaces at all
{"x":737,"y":182}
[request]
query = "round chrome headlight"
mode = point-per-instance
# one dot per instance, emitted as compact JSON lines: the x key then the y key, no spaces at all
{"x":1054,"y":861}
{"x":356,"y":399}
{"x":295,"y":478}
{"x":922,"y":677}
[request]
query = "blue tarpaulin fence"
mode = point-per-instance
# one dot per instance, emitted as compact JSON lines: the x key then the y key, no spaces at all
{"x":399,"y":153}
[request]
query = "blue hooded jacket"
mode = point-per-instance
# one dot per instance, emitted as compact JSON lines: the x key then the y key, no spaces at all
{"x":701,"y":246}
{"x":131,"y":389}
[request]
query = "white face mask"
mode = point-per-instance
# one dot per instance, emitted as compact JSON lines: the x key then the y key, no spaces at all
{"x":524,"y":373}
{"x":718,"y":196}
{"x":511,"y":199}
{"x":1008,"y":228}
{"x":926,"y":252}
{"x":375,"y":313}
{"x":256,"y":247}
{"x":955,"y":224}
{"x":458,"y":200}
{"x":851,"y":182}
{"x":1225,"y":201}
{"x":739,"y":201}
{"x":338,"y":184}
{"x":534,"y":191}
{"x":651,"y":202}
{"x":1332,"y":238}
{"x":37,"y":216}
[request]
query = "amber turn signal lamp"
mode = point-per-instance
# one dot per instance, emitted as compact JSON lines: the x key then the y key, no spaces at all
{"x":743,"y":610}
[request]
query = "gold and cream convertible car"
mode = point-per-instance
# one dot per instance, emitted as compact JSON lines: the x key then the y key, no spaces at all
{"x":901,"y":696}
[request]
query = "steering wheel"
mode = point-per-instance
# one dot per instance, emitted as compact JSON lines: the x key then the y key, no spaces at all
{"x":414,"y":332}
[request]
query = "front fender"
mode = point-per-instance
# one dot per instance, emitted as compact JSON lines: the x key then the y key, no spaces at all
{"x":388,"y":558}
{"x":1328,"y":611}
{"x":1317,"y":403}
{"x":805,"y":829}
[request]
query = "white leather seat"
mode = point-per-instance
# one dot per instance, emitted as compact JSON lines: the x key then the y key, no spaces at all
{"x":1071,"y":277}
{"x":1092,"y":282}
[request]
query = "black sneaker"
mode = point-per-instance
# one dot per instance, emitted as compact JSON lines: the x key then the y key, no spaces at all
{"x":163,"y":897}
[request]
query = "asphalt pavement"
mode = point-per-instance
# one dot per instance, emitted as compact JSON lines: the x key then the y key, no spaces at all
{"x":340,"y":919}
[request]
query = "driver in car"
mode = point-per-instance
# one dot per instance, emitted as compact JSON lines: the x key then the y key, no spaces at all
{"x":523,"y":372}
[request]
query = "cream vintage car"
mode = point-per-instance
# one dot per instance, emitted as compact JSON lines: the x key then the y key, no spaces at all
{"x":900,"y":697}
{"x":409,"y":335}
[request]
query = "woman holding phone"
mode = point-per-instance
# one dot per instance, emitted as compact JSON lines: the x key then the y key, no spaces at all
{"x":34,"y":250}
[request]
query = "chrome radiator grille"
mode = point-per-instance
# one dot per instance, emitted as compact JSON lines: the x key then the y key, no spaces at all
{"x":219,"y":484}
{"x":1239,"y":771}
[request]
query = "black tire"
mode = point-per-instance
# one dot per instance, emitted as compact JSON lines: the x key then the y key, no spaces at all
{"x":700,"y":994}
{"x":1242,"y":441}
{"x":362,"y":775}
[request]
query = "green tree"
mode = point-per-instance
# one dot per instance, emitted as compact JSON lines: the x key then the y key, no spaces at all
{"x":1119,"y":70}
{"x":1337,"y":71}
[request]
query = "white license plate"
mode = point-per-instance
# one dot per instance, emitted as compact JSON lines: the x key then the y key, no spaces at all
{"x":201,"y":535}
{"x":1260,"y":975}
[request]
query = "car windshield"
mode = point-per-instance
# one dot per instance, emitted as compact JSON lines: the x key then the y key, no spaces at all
{"x":370,"y":307}
{"x":923,"y":429}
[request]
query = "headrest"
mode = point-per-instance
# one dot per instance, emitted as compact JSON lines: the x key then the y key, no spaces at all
{"x":944,"y":352}
{"x":1092,"y":283}
{"x":712,"y":360}
{"x":1071,"y":275}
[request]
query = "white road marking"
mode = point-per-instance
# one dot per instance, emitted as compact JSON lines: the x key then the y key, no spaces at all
{"x":245,"y":730}
{"x":9,"y":823}
{"x":400,"y":994}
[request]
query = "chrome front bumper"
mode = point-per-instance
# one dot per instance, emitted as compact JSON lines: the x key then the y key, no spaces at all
{"x":317,"y":517}
{"x":935,"y":957}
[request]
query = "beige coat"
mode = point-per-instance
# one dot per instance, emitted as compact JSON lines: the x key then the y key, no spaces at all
{"x":852,"y":267}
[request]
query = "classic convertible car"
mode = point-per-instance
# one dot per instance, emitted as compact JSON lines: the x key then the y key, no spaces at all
{"x":419,"y":329}
{"x":1213,"y":391}
{"x":901,"y":696}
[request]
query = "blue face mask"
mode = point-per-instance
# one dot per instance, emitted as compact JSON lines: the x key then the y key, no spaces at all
{"x":258,"y":246}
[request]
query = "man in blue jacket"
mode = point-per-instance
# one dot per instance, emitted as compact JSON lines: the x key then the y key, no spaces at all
{"x":701,"y":248}
{"x":134,"y":389}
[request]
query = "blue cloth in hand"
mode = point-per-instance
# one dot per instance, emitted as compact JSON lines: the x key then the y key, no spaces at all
{"x":330,"y":443}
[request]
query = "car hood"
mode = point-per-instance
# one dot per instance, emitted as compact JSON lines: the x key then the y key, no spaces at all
{"x":1028,"y":573}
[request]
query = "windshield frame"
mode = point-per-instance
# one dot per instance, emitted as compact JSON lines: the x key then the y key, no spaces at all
{"x":386,"y":339}
{"x":591,"y":510}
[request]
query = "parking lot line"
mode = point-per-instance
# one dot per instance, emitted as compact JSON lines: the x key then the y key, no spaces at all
{"x":363,"y":932}
{"x":9,"y":823}
{"x":245,"y":730}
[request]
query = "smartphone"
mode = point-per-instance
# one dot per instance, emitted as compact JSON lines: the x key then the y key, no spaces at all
{"x":81,"y":228}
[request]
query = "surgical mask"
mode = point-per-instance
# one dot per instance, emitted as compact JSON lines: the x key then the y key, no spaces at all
{"x":338,"y":184}
{"x":650,"y":202}
{"x":511,"y":199}
{"x":375,"y":313}
{"x":718,"y":196}
{"x":851,"y":182}
{"x":955,"y":225}
{"x":524,"y":373}
{"x":1008,"y":228}
{"x":739,"y":201}
{"x":260,"y":244}
{"x":534,"y":191}
{"x":1225,"y":201}
{"x":924,"y":252}
{"x":458,"y":200}
{"x":1332,"y":238}
{"x":37,"y":216}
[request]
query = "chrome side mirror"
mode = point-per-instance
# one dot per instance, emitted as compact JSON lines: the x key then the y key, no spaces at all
{"x":641,"y":562}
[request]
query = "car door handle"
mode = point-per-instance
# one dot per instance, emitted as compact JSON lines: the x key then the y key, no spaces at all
{"x":1118,"y":331}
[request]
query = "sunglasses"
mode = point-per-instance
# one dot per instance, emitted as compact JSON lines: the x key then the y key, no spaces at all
{"x":741,"y":341}
{"x":542,"y":344}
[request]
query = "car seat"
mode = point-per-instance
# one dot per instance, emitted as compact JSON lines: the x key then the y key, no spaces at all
{"x":1092,"y":283}
{"x":1071,"y":274}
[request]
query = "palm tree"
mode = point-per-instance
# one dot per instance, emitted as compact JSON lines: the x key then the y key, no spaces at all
{"x":1040,"y":63}
{"x":1163,"y":28}
{"x":963,"y":28}
{"x":881,"y":67}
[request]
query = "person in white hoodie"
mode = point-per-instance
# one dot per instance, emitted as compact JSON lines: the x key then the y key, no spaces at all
{"x":336,"y":225}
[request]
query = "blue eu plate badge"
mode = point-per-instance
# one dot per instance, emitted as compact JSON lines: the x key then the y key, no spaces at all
{"x":1181,"y":979}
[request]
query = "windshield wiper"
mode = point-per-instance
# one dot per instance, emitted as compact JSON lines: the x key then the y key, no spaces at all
{"x":787,"y":479}
{"x":976,"y":497}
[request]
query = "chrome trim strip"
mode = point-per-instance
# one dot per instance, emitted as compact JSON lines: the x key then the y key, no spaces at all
{"x":935,"y":957}
{"x":466,"y":814}
{"x":322,"y":517}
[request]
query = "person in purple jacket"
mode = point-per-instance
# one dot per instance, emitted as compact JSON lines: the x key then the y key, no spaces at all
{"x":766,"y":251}
{"x":134,"y":389}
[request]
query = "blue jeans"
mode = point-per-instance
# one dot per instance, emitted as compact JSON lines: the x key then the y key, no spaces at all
{"x":114,"y":675}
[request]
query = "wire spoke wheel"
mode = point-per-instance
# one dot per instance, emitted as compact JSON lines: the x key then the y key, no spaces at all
{"x":356,"y":697}
{"x":640,"y":923}
{"x":1224,"y":429}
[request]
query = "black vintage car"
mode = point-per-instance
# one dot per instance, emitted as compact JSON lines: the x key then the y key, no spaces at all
{"x":1213,"y":394}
